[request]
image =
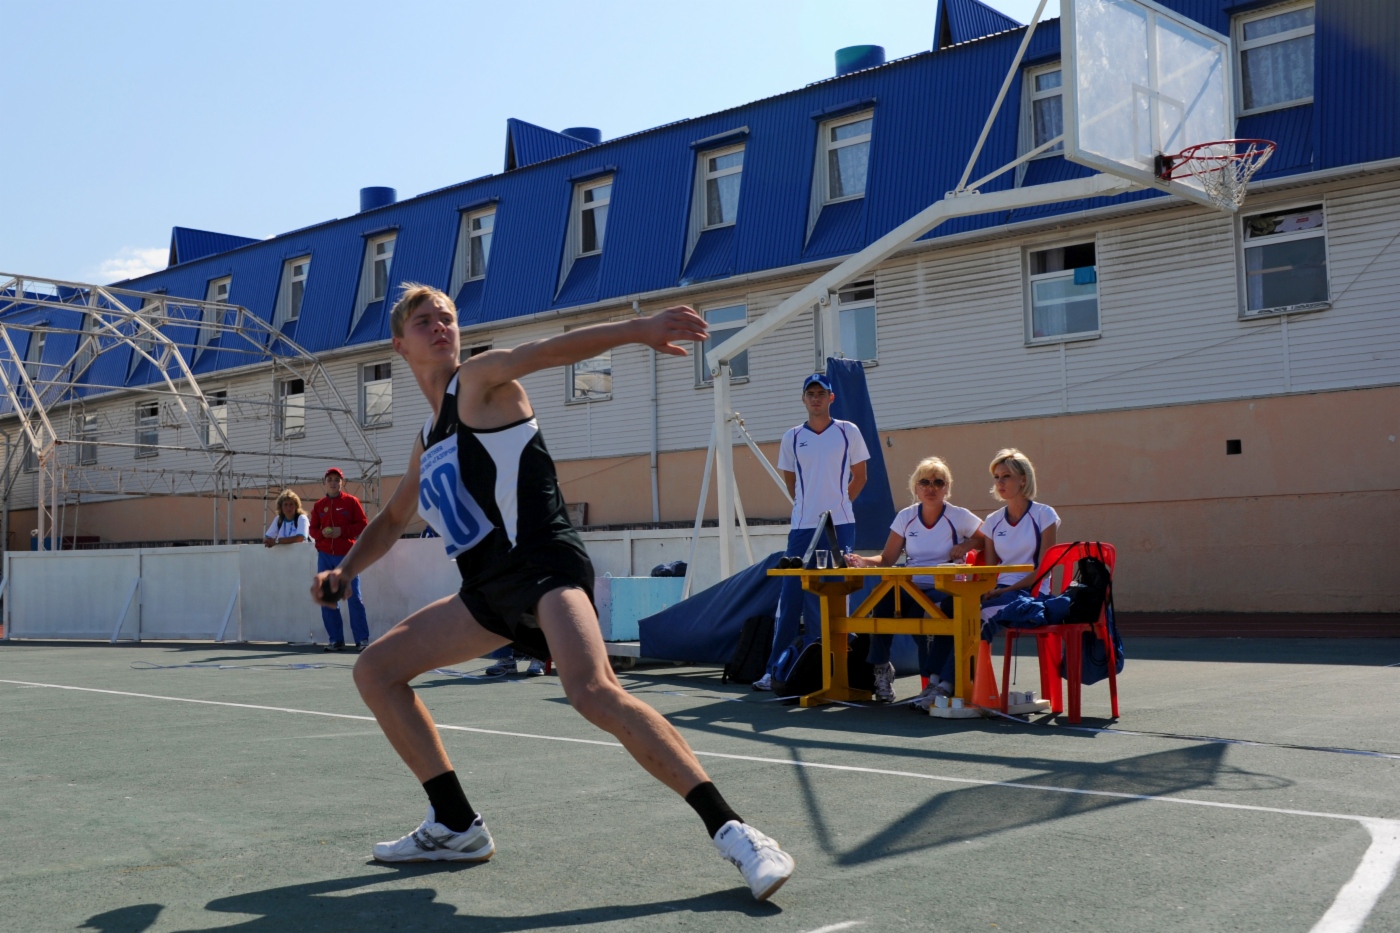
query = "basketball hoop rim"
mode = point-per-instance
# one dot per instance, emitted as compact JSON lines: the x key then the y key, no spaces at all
{"x":1172,"y":166}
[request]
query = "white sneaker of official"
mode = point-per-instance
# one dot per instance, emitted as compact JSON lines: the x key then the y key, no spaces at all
{"x":762,"y":862}
{"x":433,"y":842}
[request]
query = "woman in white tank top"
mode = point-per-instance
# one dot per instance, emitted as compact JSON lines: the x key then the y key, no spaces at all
{"x":1020,"y":532}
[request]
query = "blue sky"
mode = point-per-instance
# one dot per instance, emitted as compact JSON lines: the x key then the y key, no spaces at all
{"x":260,"y":116}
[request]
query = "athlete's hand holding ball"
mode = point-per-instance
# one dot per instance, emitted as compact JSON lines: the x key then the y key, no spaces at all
{"x":328,"y":589}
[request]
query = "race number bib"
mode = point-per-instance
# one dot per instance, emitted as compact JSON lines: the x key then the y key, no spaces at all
{"x":444,"y":502}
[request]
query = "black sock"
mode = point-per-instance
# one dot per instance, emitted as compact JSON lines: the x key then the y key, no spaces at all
{"x":710,"y":804}
{"x":450,"y":807}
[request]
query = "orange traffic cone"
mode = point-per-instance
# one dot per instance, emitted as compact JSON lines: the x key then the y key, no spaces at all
{"x":984,"y":685}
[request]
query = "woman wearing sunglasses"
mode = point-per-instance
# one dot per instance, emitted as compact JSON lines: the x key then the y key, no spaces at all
{"x":927,"y":532}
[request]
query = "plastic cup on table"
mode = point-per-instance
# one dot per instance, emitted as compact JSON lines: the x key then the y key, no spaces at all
{"x":823,"y":560}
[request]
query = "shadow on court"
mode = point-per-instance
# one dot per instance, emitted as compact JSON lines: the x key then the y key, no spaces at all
{"x":337,"y":905}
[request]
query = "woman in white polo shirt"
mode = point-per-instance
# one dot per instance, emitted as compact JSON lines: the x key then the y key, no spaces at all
{"x":927,"y":532}
{"x":291,"y":526}
{"x":1019,"y":532}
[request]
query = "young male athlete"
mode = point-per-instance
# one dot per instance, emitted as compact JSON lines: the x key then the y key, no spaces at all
{"x":481,"y":476}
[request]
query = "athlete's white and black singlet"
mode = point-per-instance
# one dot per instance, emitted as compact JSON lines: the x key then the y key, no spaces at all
{"x":494,"y":497}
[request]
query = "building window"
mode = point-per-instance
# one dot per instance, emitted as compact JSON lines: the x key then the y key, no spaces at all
{"x":215,"y":423}
{"x":1276,"y":57}
{"x":376,"y":394}
{"x":469,"y":352}
{"x":34,"y":357}
{"x":87,"y":345}
{"x":216,"y":291}
{"x":1045,"y":113}
{"x":291,"y":408}
{"x":144,"y":341}
{"x":473,"y":247}
{"x":31,"y":457}
{"x":723,"y":172}
{"x":147,"y":428}
{"x":289,"y":296}
{"x":856,"y":304}
{"x":1064,"y":292}
{"x":374,"y":277}
{"x":86,"y":426}
{"x":846,"y":151}
{"x":591,"y":380}
{"x":593,"y":201}
{"x":1285,"y":260}
{"x":724,"y":323}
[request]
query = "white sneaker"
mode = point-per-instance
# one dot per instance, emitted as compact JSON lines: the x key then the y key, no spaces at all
{"x":501,"y":669}
{"x":764,"y":683}
{"x":884,"y":683}
{"x":762,"y":862}
{"x":433,"y":842}
{"x":931,"y":693}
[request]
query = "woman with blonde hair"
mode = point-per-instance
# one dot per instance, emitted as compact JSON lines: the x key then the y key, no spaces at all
{"x":291,"y":525}
{"x":927,"y":532}
{"x":1017,"y":533}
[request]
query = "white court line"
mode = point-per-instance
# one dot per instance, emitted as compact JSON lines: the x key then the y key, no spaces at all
{"x":1347,"y":914}
{"x":836,"y":927}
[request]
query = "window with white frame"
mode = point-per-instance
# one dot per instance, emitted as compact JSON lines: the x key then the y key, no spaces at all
{"x":289,"y":296}
{"x":1064,"y":292}
{"x":87,"y":345}
{"x":141,"y":337}
{"x":477,"y":350}
{"x":217,"y":290}
{"x":31,"y":457}
{"x":291,"y":408}
{"x":85,"y":426}
{"x":591,"y":380}
{"x":1285,"y":260}
{"x":724,"y":323}
{"x":473,"y":247}
{"x":722,"y":171}
{"x":593,"y":200}
{"x":1044,"y":110}
{"x":374,"y":276}
{"x":845,"y":149}
{"x":147,"y":428}
{"x":1276,"y":56}
{"x":215,"y":423}
{"x":856,"y":306}
{"x":376,"y":394}
{"x":34,"y":355}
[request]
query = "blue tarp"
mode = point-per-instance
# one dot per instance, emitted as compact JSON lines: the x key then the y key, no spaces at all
{"x":705,"y":627}
{"x":875,"y":505}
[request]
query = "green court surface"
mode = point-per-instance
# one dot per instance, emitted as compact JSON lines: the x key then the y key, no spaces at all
{"x":245,"y":794}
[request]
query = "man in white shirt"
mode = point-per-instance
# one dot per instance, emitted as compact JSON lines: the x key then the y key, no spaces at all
{"x":823,"y":462}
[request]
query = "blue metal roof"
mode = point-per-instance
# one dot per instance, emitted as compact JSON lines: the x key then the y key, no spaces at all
{"x":928,"y":111}
{"x":961,"y":21}
{"x":187,"y":244}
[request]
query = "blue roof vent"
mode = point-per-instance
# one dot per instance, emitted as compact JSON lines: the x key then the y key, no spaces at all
{"x":856,"y":58}
{"x":589,"y":134}
{"x":370,"y":198}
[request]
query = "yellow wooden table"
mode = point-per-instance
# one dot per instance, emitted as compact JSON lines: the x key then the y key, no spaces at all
{"x":964,"y":583}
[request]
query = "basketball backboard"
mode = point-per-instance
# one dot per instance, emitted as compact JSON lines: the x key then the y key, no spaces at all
{"x":1141,"y":80}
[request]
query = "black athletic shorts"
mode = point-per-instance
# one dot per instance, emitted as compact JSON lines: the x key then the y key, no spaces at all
{"x":505,"y":604}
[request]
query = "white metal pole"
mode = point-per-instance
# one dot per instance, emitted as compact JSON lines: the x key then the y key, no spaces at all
{"x":700,"y":511}
{"x":724,"y":471}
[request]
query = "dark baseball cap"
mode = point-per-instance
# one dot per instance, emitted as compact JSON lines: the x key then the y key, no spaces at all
{"x":337,"y":471}
{"x":820,"y":380}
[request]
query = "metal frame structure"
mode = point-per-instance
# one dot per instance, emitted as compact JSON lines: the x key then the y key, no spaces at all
{"x":232,"y":449}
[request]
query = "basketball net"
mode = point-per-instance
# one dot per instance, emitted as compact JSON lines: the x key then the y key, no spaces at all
{"x":1223,"y":169}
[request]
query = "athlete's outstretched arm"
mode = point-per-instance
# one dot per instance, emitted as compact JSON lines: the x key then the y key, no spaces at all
{"x":379,"y":536}
{"x":663,"y":332}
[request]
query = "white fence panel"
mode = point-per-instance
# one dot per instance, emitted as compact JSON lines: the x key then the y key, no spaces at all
{"x":185,"y":591}
{"x":69,"y":594}
{"x":275,"y":599}
{"x":415,"y":572}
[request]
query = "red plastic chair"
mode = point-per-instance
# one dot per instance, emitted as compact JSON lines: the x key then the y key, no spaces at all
{"x":1067,"y":639}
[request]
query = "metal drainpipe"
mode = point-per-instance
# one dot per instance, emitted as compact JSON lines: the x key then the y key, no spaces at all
{"x":655,"y":479}
{"x":5,"y":509}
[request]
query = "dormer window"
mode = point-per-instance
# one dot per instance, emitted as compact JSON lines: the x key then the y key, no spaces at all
{"x":216,"y":291}
{"x":289,"y":296}
{"x":34,"y":357}
{"x":723,"y":171}
{"x":374,"y":276}
{"x":473,"y":247}
{"x":593,"y":199}
{"x":846,"y":157}
{"x":1045,"y":114}
{"x":1276,"y":57}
